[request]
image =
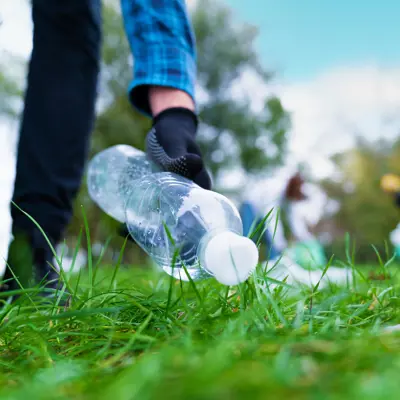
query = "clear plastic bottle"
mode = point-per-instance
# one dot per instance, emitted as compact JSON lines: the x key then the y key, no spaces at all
{"x":174,"y":220}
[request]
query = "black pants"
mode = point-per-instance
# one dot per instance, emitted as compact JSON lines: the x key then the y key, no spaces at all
{"x":59,"y":112}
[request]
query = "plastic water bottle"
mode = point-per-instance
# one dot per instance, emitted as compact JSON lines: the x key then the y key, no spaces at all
{"x":185,"y":229}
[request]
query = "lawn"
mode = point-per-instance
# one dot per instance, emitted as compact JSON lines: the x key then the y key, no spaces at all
{"x":131,"y":333}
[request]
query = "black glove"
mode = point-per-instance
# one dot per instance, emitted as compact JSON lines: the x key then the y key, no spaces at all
{"x":171,"y":144}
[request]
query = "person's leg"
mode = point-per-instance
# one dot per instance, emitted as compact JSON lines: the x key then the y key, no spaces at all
{"x":57,"y":120}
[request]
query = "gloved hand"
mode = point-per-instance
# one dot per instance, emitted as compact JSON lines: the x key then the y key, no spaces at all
{"x":171,"y":144}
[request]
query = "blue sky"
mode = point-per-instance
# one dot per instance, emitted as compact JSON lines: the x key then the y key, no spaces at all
{"x":302,"y":38}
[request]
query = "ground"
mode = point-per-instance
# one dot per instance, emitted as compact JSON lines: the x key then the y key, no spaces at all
{"x":131,"y":333}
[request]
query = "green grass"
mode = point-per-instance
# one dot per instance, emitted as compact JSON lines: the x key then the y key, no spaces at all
{"x":136,"y":334}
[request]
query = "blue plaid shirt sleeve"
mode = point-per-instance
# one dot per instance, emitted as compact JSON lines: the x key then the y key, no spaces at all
{"x":163,"y":47}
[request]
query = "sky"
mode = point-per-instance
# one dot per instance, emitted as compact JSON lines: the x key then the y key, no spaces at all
{"x":302,"y":39}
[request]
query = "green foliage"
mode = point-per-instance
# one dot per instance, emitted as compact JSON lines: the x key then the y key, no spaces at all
{"x":233,"y":134}
{"x":368,"y":214}
{"x":9,"y":94}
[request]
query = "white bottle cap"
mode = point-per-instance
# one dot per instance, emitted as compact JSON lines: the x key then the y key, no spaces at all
{"x":231,"y":258}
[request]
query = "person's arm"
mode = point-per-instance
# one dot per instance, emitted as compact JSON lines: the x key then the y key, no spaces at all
{"x":161,"y":98}
{"x":163,"y":47}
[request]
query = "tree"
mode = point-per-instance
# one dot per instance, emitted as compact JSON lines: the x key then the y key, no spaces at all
{"x":10,"y":93}
{"x":365,"y":212}
{"x":232,"y":133}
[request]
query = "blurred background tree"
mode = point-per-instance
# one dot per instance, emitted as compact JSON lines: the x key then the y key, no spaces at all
{"x":365,"y":212}
{"x":10,"y":92}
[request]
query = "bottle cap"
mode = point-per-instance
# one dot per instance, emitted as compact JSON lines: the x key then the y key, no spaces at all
{"x":231,"y":258}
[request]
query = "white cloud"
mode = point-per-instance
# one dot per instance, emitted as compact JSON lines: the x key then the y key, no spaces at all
{"x":330,"y":110}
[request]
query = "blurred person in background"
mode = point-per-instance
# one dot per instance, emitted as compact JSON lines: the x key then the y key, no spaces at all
{"x":59,"y":113}
{"x":293,"y":253}
{"x":284,"y":225}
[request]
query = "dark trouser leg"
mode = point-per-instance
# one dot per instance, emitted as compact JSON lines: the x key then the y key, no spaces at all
{"x":58,"y":115}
